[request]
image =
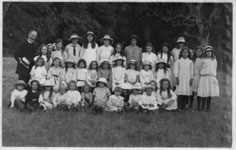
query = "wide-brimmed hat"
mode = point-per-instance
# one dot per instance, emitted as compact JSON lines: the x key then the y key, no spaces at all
{"x":90,"y":33}
{"x":208,"y":48}
{"x":70,"y":61}
{"x":133,"y":36}
{"x":136,"y":87}
{"x":180,"y":40}
{"x":74,"y":36}
{"x":146,"y":63}
{"x":48,"y":83}
{"x":119,"y":57}
{"x":20,"y":82}
{"x":104,"y":61}
{"x":132,"y":61}
{"x":125,"y":86}
{"x":161,"y":61}
{"x":107,"y":37}
{"x":102,"y":80}
{"x":147,"y":87}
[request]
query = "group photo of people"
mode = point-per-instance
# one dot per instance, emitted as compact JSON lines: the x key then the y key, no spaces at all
{"x":113,"y":77}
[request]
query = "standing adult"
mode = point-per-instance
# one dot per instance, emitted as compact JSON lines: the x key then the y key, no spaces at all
{"x":25,"y":55}
{"x":133,"y":51}
{"x":89,"y":48}
{"x":73,"y":49}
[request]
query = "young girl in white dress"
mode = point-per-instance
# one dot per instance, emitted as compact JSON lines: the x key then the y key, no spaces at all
{"x":38,"y":71}
{"x":165,"y":96}
{"x":118,"y":72}
{"x":59,"y":52}
{"x":93,"y":74}
{"x":134,"y":98}
{"x":208,"y":83}
{"x":162,"y":71}
{"x":81,"y":74}
{"x":146,"y":74}
{"x":55,"y":72}
{"x":184,"y":77}
{"x":132,"y":74}
{"x":46,"y":97}
{"x":197,"y":56}
{"x":149,"y":55}
{"x":104,"y":71}
{"x":60,"y":98}
{"x":74,"y":97}
{"x":115,"y":102}
{"x":105,"y":51}
{"x":69,"y":72}
{"x":118,"y":52}
{"x":45,"y":55}
{"x":89,"y":48}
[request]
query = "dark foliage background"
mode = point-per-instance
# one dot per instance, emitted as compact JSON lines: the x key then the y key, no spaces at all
{"x":200,"y":23}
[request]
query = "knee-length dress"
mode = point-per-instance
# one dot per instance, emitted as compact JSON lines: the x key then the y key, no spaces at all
{"x":118,"y":76}
{"x":131,"y":76}
{"x":146,"y":77}
{"x":68,"y":75}
{"x":89,"y":54}
{"x":184,"y":71}
{"x":208,"y":84}
{"x":81,"y":76}
{"x":54,"y":74}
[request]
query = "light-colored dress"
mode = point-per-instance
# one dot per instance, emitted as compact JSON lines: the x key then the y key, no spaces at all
{"x":15,"y":94}
{"x":70,"y":52}
{"x":196,"y":75}
{"x":160,"y":74}
{"x":115,"y":103}
{"x":134,"y":100}
{"x":68,"y":75}
{"x":101,"y":96}
{"x":151,"y":57}
{"x":116,"y":55}
{"x":45,"y":100}
{"x":92,"y":77}
{"x":81,"y":76}
{"x":131,"y":76}
{"x":133,"y":52}
{"x":106,"y":73}
{"x":74,"y":97}
{"x":104,"y":52}
{"x":38,"y":74}
{"x":61,"y":55}
{"x":208,"y":83}
{"x":184,"y":71}
{"x":175,"y":53}
{"x":47,"y":63}
{"x":164,"y":56}
{"x":118,"y":76}
{"x":146,"y":77}
{"x":60,"y":99}
{"x":54,"y":74}
{"x":148,"y":102}
{"x":89,"y":54}
{"x":169,"y":102}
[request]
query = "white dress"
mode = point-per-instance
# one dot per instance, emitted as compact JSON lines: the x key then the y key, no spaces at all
{"x":208,"y":84}
{"x":15,"y":94}
{"x":118,"y":76}
{"x":92,"y":77}
{"x":89,"y":54}
{"x":104,"y":52}
{"x":54,"y":74}
{"x":151,"y":57}
{"x":160,"y":74}
{"x":184,"y":71}
{"x":148,"y":102}
{"x":47,"y":63}
{"x":175,"y":53}
{"x":146,"y":77}
{"x":68,"y":75}
{"x":61,"y":55}
{"x":114,"y":56}
{"x":196,"y":77}
{"x":131,"y":76}
{"x":60,"y":99}
{"x":74,"y":97}
{"x":134,"y":100}
{"x":115,"y":103}
{"x":70,"y":52}
{"x":39,"y":74}
{"x":81,"y":76}
{"x":169,"y":102}
{"x":45,"y":101}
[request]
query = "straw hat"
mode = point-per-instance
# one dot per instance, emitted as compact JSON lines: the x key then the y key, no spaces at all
{"x":137,"y":87}
{"x":102,"y":80}
{"x":125,"y":86}
{"x":103,"y":61}
{"x":118,"y":58}
{"x":74,"y":36}
{"x":70,"y":61}
{"x":180,"y":40}
{"x":161,"y":61}
{"x":90,"y":33}
{"x":208,"y":48}
{"x":107,"y":37}
{"x":20,"y":82}
{"x":148,"y":87}
{"x":146,"y":63}
{"x":48,"y":83}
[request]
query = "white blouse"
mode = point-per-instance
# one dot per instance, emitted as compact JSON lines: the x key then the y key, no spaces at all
{"x":39,"y":74}
{"x":146,"y":76}
{"x":74,"y":97}
{"x":131,"y":75}
{"x":118,"y":74}
{"x":104,"y":52}
{"x":15,"y":94}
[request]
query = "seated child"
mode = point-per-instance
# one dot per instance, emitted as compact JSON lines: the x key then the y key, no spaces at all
{"x":115,"y":102}
{"x":59,"y":100}
{"x":100,"y":94}
{"x":74,"y":97}
{"x":45,"y":98}
{"x":18,"y":95}
{"x":87,"y":96}
{"x":134,"y":98}
{"x":147,"y":101}
{"x":165,"y":96}
{"x":32,"y":98}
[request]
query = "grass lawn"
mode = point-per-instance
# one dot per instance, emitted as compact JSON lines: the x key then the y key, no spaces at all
{"x":165,"y":129}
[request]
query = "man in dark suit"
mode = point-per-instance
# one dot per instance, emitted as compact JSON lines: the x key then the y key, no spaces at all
{"x":25,"y":55}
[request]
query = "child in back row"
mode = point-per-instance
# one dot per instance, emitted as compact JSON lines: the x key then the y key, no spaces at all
{"x":117,"y":52}
{"x":45,"y":55}
{"x":150,"y":56}
{"x":105,"y":51}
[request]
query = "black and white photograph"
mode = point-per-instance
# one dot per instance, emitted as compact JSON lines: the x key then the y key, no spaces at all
{"x":131,"y":74}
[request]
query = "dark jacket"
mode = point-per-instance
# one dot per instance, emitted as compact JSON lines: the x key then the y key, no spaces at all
{"x":27,"y":50}
{"x":32,"y":98}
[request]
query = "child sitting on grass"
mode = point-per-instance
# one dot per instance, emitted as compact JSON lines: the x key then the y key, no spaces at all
{"x":18,"y":95}
{"x":32,"y":98}
{"x":87,"y":96}
{"x":134,"y":98}
{"x":45,"y":98}
{"x":74,"y":97}
{"x":59,"y":100}
{"x":100,"y":94}
{"x":115,"y":102}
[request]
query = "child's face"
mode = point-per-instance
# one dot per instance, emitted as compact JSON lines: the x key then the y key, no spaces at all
{"x":90,"y":38}
{"x":105,"y":65}
{"x":44,"y":50}
{"x":199,"y":53}
{"x":106,"y":42}
{"x":20,"y":87}
{"x":101,"y":85}
{"x":146,"y":67}
{"x":185,"y":53}
{"x":132,"y":66}
{"x":149,"y":49}
{"x":209,"y":53}
{"x":94,"y":65}
{"x":50,"y":49}
{"x":165,"y":85}
{"x":133,"y":42}
{"x":149,"y":92}
{"x":119,"y":62}
{"x":161,"y":65}
{"x":70,"y":65}
{"x":125,"y":91}
{"x":118,"y":48}
{"x":40,"y":62}
{"x":117,"y":93}
{"x":59,"y":45}
{"x":165,"y":49}
{"x":153,"y":84}
{"x":57,"y":63}
{"x":34,"y":86}
{"x":135,"y":92}
{"x":74,"y":41}
{"x":181,"y":45}
{"x":73,"y":86}
{"x":81,"y":65}
{"x":86,"y":89}
{"x":62,"y":91}
{"x":48,"y":88}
